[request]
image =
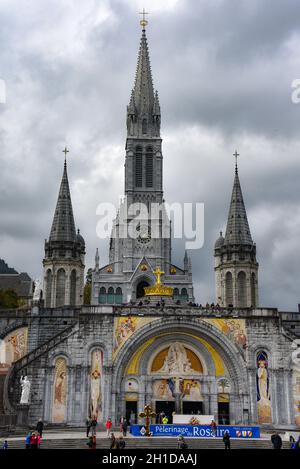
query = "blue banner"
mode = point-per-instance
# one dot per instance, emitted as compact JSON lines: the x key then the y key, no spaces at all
{"x":197,"y":431}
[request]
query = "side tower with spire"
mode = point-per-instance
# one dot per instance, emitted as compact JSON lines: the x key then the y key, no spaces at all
{"x":64,"y":254}
{"x":236,"y":266}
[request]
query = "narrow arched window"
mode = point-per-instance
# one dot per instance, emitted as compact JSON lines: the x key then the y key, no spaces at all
{"x":149,"y":167}
{"x":242,"y":289}
{"x":60,"y":287}
{"x":102,"y":295}
{"x":73,"y":288}
{"x":253,"y":290}
{"x":229,"y":289}
{"x":48,"y":288}
{"x":184,"y":294}
{"x":110,"y":296}
{"x":118,"y":296}
{"x":176,"y":294}
{"x":139,"y":167}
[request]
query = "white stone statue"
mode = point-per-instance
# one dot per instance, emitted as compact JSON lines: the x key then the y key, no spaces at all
{"x":37,"y":290}
{"x":176,"y":360}
{"x":25,"y":385}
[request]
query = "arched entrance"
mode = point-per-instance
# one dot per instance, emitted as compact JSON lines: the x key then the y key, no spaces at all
{"x":140,"y":292}
{"x":202,"y":391}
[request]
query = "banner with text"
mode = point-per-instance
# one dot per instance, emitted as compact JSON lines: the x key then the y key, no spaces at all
{"x":197,"y":431}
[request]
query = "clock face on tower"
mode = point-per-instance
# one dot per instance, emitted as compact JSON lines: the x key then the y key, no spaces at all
{"x":144,"y":234}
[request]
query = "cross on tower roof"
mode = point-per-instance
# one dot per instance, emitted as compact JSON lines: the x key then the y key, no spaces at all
{"x":143,"y":22}
{"x":65,"y":151}
{"x":236,"y":154}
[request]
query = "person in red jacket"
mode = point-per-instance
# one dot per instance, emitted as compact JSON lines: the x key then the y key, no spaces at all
{"x":108,"y":426}
{"x":35,"y":440}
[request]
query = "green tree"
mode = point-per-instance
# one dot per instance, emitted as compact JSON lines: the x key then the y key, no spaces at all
{"x":8,"y":299}
{"x":87,"y":291}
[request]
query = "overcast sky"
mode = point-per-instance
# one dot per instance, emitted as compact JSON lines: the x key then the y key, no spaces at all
{"x":223,"y":70}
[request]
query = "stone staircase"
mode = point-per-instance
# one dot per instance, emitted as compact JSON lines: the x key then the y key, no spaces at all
{"x":9,"y":390}
{"x":148,"y":443}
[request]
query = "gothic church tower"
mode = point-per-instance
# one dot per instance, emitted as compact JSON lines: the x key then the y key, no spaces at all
{"x":132,"y":258}
{"x":64,"y":254}
{"x":236,"y":266}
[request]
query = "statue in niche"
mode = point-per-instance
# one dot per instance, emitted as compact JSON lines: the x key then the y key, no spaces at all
{"x":176,"y":360}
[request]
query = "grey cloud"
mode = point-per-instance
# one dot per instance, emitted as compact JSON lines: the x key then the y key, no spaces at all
{"x":223,"y":71}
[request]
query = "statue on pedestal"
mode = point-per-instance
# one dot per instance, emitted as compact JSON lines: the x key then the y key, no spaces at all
{"x":25,"y":385}
{"x":37,"y":294}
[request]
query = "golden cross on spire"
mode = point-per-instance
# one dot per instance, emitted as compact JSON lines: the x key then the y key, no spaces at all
{"x":236,"y":154}
{"x":143,"y":22}
{"x":158,"y":274}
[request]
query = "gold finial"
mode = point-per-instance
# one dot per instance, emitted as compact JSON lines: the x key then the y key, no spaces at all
{"x":143,"y":22}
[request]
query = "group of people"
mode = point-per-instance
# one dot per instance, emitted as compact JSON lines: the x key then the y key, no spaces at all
{"x":277,"y":441}
{"x":33,"y":437}
{"x":117,"y":443}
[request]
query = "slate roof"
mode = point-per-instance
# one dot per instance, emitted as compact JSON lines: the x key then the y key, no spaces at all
{"x":237,"y":231}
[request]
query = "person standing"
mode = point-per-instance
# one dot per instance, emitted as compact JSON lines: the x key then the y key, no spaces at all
{"x":125,"y":426}
{"x":88,"y":425}
{"x":27,"y":440}
{"x":213,"y":427}
{"x":276,"y":441}
{"x":108,"y":426}
{"x":112,"y":441}
{"x":40,"y":427}
{"x":93,"y":426}
{"x":5,"y":445}
{"x":297,"y":444}
{"x":35,"y":440}
{"x":121,"y":423}
{"x":121,"y":443}
{"x":226,"y":439}
{"x":182,"y":444}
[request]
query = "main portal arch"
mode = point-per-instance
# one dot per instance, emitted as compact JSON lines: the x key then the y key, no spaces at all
{"x":182,"y":366}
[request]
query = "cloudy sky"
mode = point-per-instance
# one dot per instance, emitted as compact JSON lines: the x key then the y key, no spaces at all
{"x":223,"y":69}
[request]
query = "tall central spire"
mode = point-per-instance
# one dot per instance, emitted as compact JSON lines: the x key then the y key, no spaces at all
{"x":143,"y":87}
{"x":143,"y":111}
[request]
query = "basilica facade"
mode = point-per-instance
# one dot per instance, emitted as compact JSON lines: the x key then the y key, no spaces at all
{"x":143,"y":339}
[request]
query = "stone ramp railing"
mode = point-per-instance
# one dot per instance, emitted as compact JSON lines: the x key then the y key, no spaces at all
{"x":8,"y":388}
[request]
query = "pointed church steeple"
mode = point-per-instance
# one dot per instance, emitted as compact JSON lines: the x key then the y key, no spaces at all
{"x":63,"y":225}
{"x":236,"y":266}
{"x":143,"y":87}
{"x":143,"y":111}
{"x":237,"y":231}
{"x":64,"y":253}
